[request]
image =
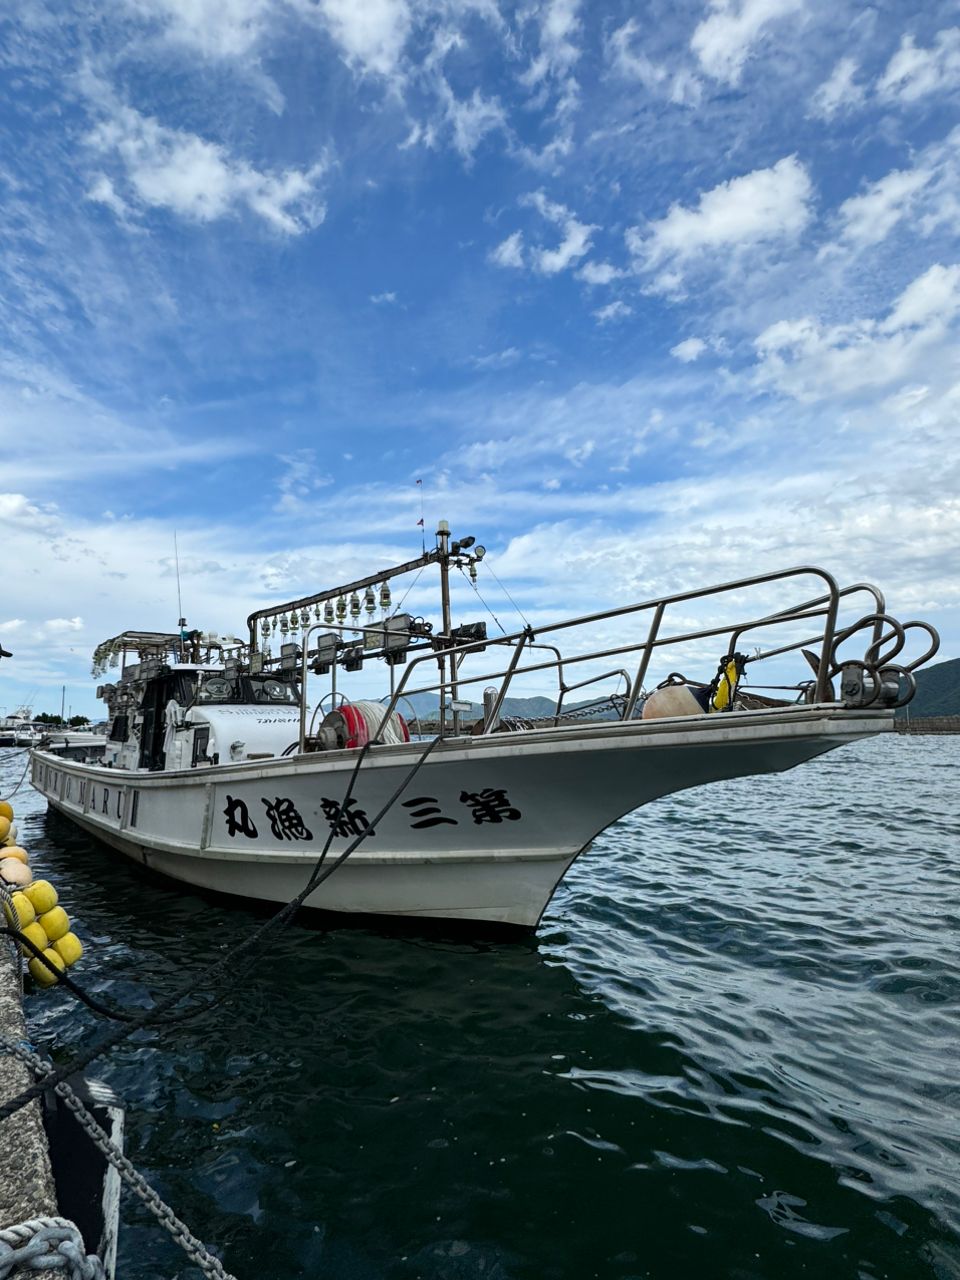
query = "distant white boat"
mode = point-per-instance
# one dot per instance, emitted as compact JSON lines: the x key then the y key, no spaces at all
{"x":18,"y":729}
{"x":217,"y":774}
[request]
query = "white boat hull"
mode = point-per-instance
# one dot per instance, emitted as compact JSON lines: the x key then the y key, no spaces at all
{"x":483,"y":831}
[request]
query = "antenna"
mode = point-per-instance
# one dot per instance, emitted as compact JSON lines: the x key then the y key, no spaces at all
{"x":423,"y":532}
{"x":182,"y":620}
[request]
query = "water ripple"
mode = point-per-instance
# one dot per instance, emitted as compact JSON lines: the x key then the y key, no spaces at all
{"x":729,"y":1052}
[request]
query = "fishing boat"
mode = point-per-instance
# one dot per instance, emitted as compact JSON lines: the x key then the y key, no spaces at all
{"x":236,"y":764}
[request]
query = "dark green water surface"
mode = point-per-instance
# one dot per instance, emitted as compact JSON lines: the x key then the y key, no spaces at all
{"x":731,"y":1050}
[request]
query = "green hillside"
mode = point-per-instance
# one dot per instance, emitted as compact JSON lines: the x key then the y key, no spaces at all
{"x":938,"y":691}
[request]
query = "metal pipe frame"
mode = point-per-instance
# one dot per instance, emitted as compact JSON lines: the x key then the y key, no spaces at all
{"x":429,"y":557}
{"x":653,"y":640}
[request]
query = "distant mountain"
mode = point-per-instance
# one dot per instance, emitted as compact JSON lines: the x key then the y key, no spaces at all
{"x":938,"y":691}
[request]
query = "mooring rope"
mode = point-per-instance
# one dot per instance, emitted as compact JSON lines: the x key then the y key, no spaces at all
{"x":227,"y":969}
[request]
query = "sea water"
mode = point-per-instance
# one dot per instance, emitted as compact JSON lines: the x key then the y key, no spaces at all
{"x":730,"y":1050}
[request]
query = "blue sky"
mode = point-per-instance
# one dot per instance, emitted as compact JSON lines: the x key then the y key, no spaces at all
{"x":647,"y":296}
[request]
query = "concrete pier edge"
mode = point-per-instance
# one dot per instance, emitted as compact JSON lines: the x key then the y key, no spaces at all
{"x":26,"y":1179}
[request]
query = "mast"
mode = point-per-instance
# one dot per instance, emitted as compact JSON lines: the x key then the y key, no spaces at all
{"x":443,"y":559}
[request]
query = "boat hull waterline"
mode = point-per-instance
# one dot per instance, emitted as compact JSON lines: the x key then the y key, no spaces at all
{"x":484,"y":831}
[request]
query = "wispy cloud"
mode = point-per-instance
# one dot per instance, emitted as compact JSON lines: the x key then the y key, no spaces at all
{"x":679,"y":85}
{"x":576,"y":236}
{"x":840,"y":92}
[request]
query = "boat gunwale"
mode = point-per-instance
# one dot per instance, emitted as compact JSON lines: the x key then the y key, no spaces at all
{"x":817,"y":719}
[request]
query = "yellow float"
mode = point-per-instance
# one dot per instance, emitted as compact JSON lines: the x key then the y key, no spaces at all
{"x":37,"y":935}
{"x":4,"y":827}
{"x":6,"y":810}
{"x":69,"y":948}
{"x":25,"y":912}
{"x":43,"y":896}
{"x":15,"y":851}
{"x":55,"y":923}
{"x":39,"y":971}
{"x":42,"y":922}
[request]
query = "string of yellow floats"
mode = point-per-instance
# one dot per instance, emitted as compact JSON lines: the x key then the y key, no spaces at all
{"x":42,"y":919}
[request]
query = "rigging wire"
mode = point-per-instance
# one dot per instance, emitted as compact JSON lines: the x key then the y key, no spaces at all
{"x":482,"y":601}
{"x":507,"y":593}
{"x":408,"y":590}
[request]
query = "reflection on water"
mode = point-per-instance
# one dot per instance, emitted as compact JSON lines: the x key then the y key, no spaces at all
{"x":729,"y":1051}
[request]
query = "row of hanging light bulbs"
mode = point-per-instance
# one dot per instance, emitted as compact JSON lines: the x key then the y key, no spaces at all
{"x":332,"y":612}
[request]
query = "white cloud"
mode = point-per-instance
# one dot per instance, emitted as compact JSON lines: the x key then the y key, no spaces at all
{"x":576,"y":236}
{"x":613,"y":311}
{"x":599,"y":273}
{"x":497,"y":359}
{"x":934,"y":296}
{"x":509,"y":252}
{"x":723,"y":41}
{"x":102,"y":192}
{"x":811,"y":361}
{"x":470,"y":119}
{"x":16,"y":509}
{"x":381,"y":299}
{"x":371,"y":34}
{"x":839,"y":92}
{"x":556,"y":90}
{"x":689,"y":350}
{"x":633,"y":65}
{"x":215,"y":28}
{"x":301,"y":477}
{"x":63,"y":624}
{"x":765,"y":205}
{"x":913,"y":72}
{"x":580,"y":453}
{"x":199,"y":180}
{"x":870,"y":217}
{"x":559,"y":25}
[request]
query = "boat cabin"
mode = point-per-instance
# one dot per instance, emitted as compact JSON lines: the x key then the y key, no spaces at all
{"x":167,"y":713}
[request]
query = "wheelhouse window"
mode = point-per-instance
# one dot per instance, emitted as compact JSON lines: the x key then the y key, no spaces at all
{"x":268,"y":689}
{"x":214,"y":688}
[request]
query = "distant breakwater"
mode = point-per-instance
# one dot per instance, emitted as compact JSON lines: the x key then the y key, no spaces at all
{"x":929,"y":724}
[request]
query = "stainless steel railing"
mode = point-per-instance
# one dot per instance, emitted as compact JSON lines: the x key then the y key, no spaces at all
{"x":883,"y":629}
